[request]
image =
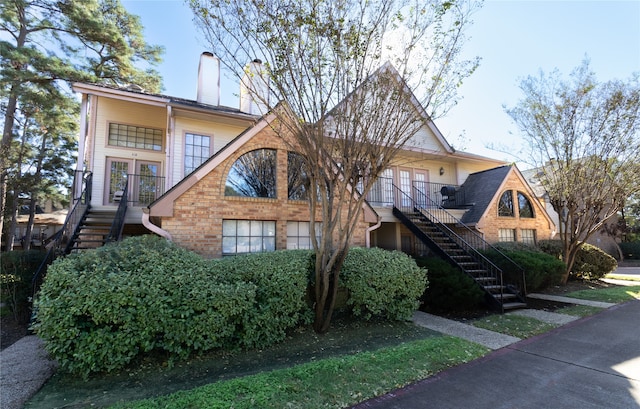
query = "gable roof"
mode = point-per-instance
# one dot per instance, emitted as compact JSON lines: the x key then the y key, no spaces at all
{"x":480,"y":188}
{"x":387,"y":69}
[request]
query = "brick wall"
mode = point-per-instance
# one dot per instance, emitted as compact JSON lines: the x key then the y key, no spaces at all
{"x":198,"y":214}
{"x":491,"y":222}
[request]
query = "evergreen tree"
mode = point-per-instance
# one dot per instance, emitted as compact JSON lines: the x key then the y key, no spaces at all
{"x":45,"y":46}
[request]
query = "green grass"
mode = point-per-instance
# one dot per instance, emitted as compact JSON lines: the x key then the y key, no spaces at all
{"x":514,"y":325}
{"x":616,"y":294}
{"x":330,"y":383}
{"x":579,"y":310}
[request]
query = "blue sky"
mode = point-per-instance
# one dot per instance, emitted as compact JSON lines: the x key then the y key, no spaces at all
{"x":514,"y":38}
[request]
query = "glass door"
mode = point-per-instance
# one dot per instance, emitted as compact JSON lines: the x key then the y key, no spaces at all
{"x":146,"y":184}
{"x":117,"y":173}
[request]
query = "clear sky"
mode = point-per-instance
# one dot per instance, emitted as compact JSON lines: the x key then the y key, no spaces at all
{"x":514,"y":38}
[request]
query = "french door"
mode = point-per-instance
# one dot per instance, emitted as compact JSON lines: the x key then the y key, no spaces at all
{"x":143,"y":177}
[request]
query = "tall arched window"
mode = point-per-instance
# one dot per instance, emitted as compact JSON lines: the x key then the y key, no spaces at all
{"x":505,"y":206}
{"x":525,"y":209}
{"x":253,"y":175}
{"x":298,"y":181}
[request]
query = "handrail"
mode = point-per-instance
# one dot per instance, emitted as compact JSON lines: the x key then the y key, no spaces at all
{"x":64,"y":238}
{"x":445,"y":194}
{"x":115,"y":233}
{"x":466,"y":238}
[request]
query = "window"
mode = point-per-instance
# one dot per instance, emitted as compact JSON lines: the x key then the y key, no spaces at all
{"x":299,"y":235}
{"x":506,"y":235}
{"x":297,"y":179}
{"x":528,"y":236}
{"x":525,"y":208}
{"x":129,"y":136}
{"x":248,"y":236}
{"x":197,"y":149}
{"x":505,"y":206}
{"x":253,"y":175}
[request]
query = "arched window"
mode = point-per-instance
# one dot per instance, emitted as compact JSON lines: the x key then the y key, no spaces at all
{"x":297,"y":179}
{"x":505,"y":206}
{"x":253,"y":175}
{"x":525,"y":209}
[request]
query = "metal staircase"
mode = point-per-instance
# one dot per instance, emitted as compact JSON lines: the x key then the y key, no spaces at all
{"x":456,"y":243}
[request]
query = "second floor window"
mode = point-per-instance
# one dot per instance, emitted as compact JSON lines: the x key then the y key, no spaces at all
{"x":136,"y":137}
{"x":253,"y":175}
{"x":197,"y":149}
{"x":505,"y":206}
{"x":525,"y":209}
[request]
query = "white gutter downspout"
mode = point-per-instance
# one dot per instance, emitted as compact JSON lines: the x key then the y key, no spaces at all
{"x":369,"y":230}
{"x":146,"y":222}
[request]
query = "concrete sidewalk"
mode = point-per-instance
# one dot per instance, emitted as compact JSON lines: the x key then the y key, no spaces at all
{"x":593,"y":362}
{"x":24,"y":367}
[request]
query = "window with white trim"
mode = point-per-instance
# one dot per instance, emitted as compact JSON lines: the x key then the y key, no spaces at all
{"x":197,"y":149}
{"x":506,"y":235}
{"x":248,"y":236}
{"x":299,"y":235}
{"x":130,"y":136}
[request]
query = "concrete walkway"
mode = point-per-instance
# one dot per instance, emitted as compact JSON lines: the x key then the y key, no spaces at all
{"x":24,"y":367}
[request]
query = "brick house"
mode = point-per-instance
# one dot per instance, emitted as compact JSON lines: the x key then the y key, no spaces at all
{"x":170,"y":164}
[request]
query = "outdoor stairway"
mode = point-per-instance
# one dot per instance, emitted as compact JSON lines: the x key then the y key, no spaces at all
{"x":93,"y":230}
{"x":500,"y":294}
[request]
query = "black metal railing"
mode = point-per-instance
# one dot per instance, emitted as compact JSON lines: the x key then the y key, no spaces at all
{"x":115,"y":233}
{"x":63,"y":239}
{"x":445,"y":195}
{"x":467,"y":239}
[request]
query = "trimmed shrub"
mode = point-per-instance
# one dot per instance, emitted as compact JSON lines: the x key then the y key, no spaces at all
{"x":280,"y":279}
{"x":541,"y":270}
{"x":98,"y":310}
{"x":449,"y":288}
{"x":16,"y":273}
{"x":382,"y":283}
{"x":592,"y":263}
{"x":551,"y":247}
{"x":630,"y":250}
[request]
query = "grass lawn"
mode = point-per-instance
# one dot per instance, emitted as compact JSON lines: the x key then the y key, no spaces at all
{"x":579,"y":310}
{"x":514,"y":325}
{"x":330,"y":383}
{"x":615,"y":294}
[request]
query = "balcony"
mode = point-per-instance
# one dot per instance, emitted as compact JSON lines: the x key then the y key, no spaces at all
{"x":446,"y":196}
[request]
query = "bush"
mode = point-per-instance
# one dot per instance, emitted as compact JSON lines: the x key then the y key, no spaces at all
{"x":100,"y":309}
{"x":381,"y":283}
{"x":449,"y":288}
{"x":631,"y":250}
{"x":551,"y":247}
{"x":541,"y":270}
{"x":280,"y":279}
{"x":16,"y":273}
{"x":592,"y":263}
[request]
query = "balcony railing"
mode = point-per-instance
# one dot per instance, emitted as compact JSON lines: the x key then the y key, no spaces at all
{"x":141,"y":190}
{"x":447,"y":196}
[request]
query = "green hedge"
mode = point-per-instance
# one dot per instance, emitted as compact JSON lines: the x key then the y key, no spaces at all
{"x":449,"y":288}
{"x":99,"y":310}
{"x":541,"y":270}
{"x":382,"y":283}
{"x":592,"y":263}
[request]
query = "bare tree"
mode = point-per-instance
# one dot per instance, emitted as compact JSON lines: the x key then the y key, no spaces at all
{"x":584,"y":138}
{"x":356,"y":79}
